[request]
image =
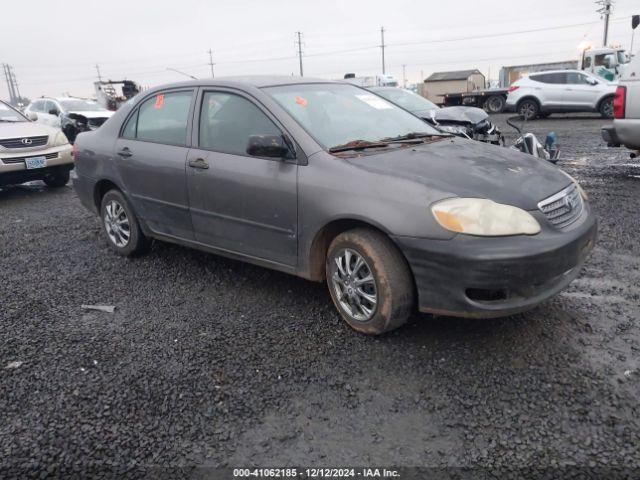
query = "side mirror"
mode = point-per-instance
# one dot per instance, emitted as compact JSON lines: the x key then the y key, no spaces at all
{"x":592,"y":81}
{"x":54,"y":111}
{"x":270,"y":146}
{"x":635,"y":21}
{"x":33,"y":116}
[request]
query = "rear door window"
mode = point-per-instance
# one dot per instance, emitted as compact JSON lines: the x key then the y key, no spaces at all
{"x":555,"y":78}
{"x":162,"y":118}
{"x":228,"y":120}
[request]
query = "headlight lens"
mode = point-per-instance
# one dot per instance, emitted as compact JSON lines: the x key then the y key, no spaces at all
{"x":456,"y":130}
{"x":479,"y":216}
{"x":60,"y":139}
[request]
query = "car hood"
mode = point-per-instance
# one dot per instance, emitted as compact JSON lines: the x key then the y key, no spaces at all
{"x":25,"y":129}
{"x":471,"y":115}
{"x":96,"y":114}
{"x":464,"y":168}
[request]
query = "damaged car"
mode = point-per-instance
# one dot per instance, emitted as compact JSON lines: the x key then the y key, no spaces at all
{"x":468,"y":122}
{"x":72,"y":115}
{"x":335,"y":184}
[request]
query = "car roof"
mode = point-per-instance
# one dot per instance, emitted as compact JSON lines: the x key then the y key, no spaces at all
{"x":257,"y":81}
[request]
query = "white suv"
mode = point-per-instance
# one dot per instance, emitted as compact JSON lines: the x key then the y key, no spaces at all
{"x":562,"y":91}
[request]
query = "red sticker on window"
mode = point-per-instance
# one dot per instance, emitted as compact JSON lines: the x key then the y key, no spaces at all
{"x":301,"y":101}
{"x":159,"y":100}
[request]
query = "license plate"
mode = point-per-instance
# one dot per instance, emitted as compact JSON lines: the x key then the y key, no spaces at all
{"x":34,"y":162}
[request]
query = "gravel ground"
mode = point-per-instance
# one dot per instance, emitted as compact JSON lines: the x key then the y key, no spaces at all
{"x":212,"y":362}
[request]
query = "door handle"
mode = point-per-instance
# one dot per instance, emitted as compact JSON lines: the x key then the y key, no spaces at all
{"x":199,"y":163}
{"x":125,"y":152}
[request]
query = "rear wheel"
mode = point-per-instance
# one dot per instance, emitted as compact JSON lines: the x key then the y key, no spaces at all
{"x":606,"y":108}
{"x":369,"y":281}
{"x":528,"y":109}
{"x":495,"y":104}
{"x":120,"y":225}
{"x":57,"y":180}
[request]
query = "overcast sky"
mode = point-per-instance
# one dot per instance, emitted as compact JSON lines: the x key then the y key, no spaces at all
{"x":54,"y":45}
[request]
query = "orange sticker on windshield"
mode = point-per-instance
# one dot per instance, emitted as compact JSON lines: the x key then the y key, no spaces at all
{"x":301,"y":101}
{"x":159,"y":100}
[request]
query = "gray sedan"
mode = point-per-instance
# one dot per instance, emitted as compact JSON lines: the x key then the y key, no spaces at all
{"x":330,"y":182}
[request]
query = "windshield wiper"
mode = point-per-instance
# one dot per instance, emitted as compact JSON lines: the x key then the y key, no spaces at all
{"x":410,"y":136}
{"x":358,"y":145}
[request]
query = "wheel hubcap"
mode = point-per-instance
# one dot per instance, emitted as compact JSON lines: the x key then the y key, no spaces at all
{"x":354,"y":285}
{"x":527,"y":110}
{"x":116,"y":224}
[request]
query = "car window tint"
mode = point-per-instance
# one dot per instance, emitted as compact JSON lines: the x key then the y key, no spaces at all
{"x":131,"y":127}
{"x":48,"y":106}
{"x":227,"y":121}
{"x":576,"y":78}
{"x":163,"y":118}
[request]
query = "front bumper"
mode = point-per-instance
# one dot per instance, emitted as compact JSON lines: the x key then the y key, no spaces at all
{"x":482,"y":277}
{"x":13,"y":169}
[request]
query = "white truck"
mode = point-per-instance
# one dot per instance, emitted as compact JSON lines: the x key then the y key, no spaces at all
{"x":626,"y":106}
{"x":609,"y":63}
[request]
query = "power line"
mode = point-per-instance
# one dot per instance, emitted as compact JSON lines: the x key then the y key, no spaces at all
{"x":299,"y":44}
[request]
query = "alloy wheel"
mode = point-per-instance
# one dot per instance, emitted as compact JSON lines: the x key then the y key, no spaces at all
{"x":354,"y":285}
{"x":116,"y":224}
{"x":607,"y":109}
{"x":527,"y":110}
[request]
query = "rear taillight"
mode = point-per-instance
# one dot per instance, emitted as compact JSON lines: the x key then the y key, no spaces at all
{"x":619,"y":102}
{"x":513,"y":89}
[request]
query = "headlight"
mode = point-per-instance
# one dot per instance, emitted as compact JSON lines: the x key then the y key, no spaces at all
{"x":456,"y":130}
{"x":60,"y":139}
{"x":479,"y":216}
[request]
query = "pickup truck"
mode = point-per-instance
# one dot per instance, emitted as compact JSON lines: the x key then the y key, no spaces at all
{"x":626,"y":105}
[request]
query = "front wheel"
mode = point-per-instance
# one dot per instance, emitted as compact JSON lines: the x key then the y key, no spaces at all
{"x":369,"y":281}
{"x":606,"y":108}
{"x":57,"y":180}
{"x":120,"y":225}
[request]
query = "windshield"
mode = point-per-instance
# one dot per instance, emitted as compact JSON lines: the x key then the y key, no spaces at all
{"x":8,"y":114}
{"x":79,"y":105}
{"x":336,"y":114}
{"x":622,"y":57}
{"x":406,"y":99}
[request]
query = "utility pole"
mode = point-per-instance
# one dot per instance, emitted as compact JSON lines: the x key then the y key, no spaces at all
{"x":605,"y":11}
{"x":98,"y":70}
{"x":299,"y":44}
{"x":404,"y":76}
{"x":382,"y":47}
{"x":12,"y":84}
{"x":211,"y":64}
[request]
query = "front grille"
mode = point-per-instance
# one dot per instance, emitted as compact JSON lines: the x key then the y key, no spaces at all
{"x":563,"y":208}
{"x":14,"y":160}
{"x":24,"y":142}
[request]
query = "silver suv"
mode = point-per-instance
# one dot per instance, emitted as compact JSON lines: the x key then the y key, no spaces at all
{"x":562,"y":91}
{"x":31,"y":151}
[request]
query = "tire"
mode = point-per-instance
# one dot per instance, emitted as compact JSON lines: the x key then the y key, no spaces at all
{"x":606,"y":108}
{"x":391,"y":286}
{"x":495,"y":104}
{"x":121,"y":227}
{"x":528,"y":109}
{"x":57,"y":180}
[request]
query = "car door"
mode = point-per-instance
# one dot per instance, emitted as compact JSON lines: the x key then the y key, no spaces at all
{"x":151,"y":153}
{"x":553,"y":89}
{"x":44,"y":116}
{"x":579,"y":94}
{"x":239,"y":203}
